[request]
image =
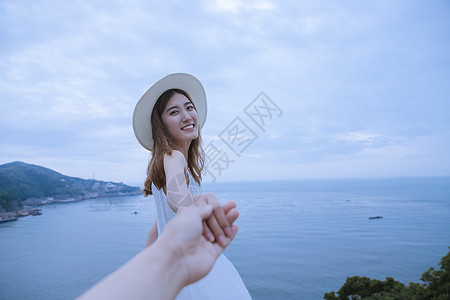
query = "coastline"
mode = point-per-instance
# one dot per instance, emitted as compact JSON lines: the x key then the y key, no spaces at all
{"x":29,"y":204}
{"x":15,"y":215}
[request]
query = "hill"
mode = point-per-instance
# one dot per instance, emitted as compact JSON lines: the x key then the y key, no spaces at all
{"x":26,"y":184}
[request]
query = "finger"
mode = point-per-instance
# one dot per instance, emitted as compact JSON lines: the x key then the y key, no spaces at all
{"x":234,"y":231}
{"x":218,"y":222}
{"x":207,"y":232}
{"x":205,"y":211}
{"x":232,"y":215}
{"x":220,"y":216}
{"x":221,"y":248}
{"x":202,"y":202}
{"x":229,"y":206}
{"x":215,"y":228}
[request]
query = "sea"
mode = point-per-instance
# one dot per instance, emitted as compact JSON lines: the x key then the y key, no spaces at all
{"x":297,"y":239}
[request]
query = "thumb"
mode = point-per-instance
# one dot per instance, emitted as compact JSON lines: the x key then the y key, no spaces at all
{"x":205,"y":211}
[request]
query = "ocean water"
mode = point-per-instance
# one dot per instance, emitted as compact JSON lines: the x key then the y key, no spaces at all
{"x":297,"y":239}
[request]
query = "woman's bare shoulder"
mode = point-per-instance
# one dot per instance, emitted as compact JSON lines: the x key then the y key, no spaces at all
{"x":176,"y":157}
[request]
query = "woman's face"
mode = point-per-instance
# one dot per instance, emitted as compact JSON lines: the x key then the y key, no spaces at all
{"x":180,"y":119}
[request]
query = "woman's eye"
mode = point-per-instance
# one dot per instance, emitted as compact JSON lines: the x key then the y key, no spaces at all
{"x":173,"y":112}
{"x":190,"y":107}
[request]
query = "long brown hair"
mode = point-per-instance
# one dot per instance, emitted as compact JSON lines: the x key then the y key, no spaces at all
{"x":164,"y":144}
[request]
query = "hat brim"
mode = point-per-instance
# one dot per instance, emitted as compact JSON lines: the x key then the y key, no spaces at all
{"x":142,"y":126}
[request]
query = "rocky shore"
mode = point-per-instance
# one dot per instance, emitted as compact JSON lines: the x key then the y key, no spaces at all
{"x":14,"y":215}
{"x":86,"y":196}
{"x":29,"y":210}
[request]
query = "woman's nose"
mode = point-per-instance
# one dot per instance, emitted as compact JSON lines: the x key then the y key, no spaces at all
{"x":186,"y":116}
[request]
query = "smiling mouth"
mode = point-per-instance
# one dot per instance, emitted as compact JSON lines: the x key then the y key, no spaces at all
{"x":188,"y":127}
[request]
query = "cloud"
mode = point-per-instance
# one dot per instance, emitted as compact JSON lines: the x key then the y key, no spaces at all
{"x":360,"y":137}
{"x":357,"y":82}
{"x":238,"y":6}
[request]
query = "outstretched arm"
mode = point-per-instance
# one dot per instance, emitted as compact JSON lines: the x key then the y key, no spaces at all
{"x":152,"y":235}
{"x":181,"y":256}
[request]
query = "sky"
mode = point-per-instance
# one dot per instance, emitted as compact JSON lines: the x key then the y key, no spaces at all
{"x":296,"y":89}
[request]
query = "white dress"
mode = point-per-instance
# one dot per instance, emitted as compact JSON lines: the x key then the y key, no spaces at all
{"x":222,"y":282}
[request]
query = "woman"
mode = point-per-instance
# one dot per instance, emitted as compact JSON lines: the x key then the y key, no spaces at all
{"x":167,"y":121}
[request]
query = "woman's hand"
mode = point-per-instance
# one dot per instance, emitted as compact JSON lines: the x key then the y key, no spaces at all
{"x":217,"y":226}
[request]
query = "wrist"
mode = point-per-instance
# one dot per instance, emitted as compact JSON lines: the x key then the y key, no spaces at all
{"x":168,"y":261}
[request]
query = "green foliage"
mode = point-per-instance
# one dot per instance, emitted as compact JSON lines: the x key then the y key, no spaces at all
{"x":438,"y":281}
{"x":20,"y":181}
{"x":436,"y":287}
{"x":25,"y":181}
{"x":365,"y":288}
{"x":8,"y":201}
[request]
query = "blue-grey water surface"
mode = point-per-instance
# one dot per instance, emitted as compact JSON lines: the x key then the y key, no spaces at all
{"x":297,"y":239}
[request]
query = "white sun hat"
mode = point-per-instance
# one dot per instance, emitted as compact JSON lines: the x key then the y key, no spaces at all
{"x":142,"y":126}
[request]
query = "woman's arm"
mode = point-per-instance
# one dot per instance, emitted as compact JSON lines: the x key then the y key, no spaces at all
{"x":178,"y":195}
{"x":152,"y":235}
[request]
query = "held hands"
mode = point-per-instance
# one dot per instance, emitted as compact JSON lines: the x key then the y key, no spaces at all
{"x":217,"y":227}
{"x":183,"y":236}
{"x":179,"y":257}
